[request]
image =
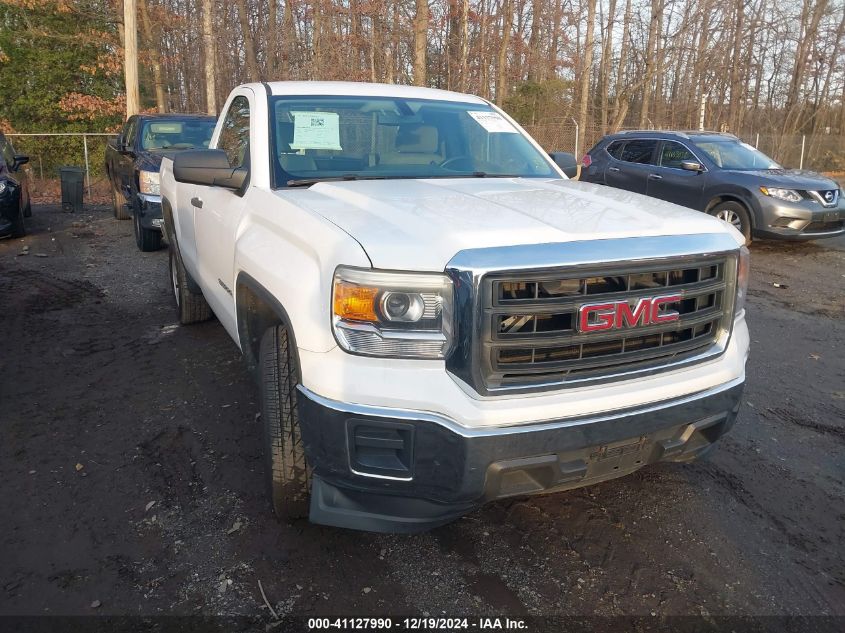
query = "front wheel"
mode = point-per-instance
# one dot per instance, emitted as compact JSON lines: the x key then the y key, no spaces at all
{"x":734,"y":214}
{"x":287,"y":474}
{"x":19,"y":228}
{"x":146,"y":239}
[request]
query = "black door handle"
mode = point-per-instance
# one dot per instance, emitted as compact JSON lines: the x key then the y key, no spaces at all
{"x":655,"y":177}
{"x":197,"y":202}
{"x":612,"y":169}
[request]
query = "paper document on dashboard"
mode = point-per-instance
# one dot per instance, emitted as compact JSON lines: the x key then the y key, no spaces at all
{"x":492,"y":121}
{"x":316,"y":130}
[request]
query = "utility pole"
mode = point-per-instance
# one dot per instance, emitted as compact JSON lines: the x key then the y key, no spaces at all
{"x":130,"y":62}
{"x":208,"y":45}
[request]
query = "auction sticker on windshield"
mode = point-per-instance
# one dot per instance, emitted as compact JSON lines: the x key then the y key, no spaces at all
{"x":492,"y":121}
{"x":316,"y":130}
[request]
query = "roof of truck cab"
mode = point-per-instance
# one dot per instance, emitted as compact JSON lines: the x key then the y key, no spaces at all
{"x":174,"y":115}
{"x":361,"y":89}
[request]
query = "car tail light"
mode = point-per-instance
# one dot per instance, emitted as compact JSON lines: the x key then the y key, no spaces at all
{"x":586,"y":161}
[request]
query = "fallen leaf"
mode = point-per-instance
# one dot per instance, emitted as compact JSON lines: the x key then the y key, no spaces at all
{"x":79,"y":467}
{"x":96,"y":604}
{"x":149,"y":505}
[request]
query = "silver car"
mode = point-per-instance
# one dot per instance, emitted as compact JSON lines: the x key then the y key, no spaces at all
{"x":720,"y":175}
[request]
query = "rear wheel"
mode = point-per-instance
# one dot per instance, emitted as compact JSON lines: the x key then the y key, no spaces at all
{"x":288,"y":476}
{"x":118,"y":207}
{"x":27,"y":210}
{"x":190,"y":306}
{"x":734,"y":214}
{"x":146,"y":239}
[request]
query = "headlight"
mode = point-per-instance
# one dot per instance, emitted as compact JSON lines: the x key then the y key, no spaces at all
{"x":2,"y":186}
{"x":790,"y":195}
{"x":148,"y":183}
{"x":392,"y":314}
{"x":743,"y":267}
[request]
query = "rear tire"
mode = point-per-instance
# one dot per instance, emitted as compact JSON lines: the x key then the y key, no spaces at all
{"x":734,"y":214}
{"x":146,"y":239}
{"x":190,"y":306}
{"x":287,"y":474}
{"x":118,"y":206}
{"x":27,"y":211}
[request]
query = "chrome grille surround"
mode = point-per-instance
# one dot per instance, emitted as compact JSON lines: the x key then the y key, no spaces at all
{"x":539,"y":347}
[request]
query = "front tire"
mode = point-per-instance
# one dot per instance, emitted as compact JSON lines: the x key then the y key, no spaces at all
{"x":288,"y":475}
{"x":736,"y":215}
{"x":19,"y":229}
{"x":146,"y":239}
{"x":190,"y":306}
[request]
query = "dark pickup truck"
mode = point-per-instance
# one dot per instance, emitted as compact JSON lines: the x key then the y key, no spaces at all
{"x":132,"y":162}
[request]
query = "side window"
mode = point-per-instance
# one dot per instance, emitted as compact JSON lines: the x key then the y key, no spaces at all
{"x":639,"y":151}
{"x":234,"y":134}
{"x":615,"y":149}
{"x":673,"y":154}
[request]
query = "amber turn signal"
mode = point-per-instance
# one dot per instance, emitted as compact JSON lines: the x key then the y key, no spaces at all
{"x":355,"y":303}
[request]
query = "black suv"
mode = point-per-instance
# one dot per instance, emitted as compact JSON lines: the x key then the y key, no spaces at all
{"x":720,"y":175}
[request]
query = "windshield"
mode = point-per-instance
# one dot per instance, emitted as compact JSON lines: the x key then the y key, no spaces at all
{"x":318,"y":138}
{"x":187,"y":134}
{"x":736,"y":155}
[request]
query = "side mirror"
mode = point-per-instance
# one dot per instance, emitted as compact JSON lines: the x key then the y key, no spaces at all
{"x":208,"y":167}
{"x":20,"y":160}
{"x":691,"y":165}
{"x":567,"y":162}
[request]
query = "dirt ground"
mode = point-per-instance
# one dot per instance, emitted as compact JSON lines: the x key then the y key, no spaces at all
{"x":131,"y":471}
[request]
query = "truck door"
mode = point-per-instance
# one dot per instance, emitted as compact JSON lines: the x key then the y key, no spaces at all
{"x":631,"y":170}
{"x":668,"y":181}
{"x":217,"y":216}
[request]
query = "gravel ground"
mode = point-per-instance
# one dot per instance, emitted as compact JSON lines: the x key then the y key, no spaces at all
{"x":131,"y":471}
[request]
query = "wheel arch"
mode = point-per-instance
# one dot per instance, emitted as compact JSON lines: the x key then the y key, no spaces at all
{"x":732,"y":197}
{"x":256,"y":310}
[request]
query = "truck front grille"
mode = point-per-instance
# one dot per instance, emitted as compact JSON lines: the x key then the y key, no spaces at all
{"x":530,"y":334}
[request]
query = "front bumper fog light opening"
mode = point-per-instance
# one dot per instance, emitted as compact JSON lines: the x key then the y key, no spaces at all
{"x":789,"y":223}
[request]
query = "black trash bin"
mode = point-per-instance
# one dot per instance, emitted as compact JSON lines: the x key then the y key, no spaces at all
{"x":73,"y":179}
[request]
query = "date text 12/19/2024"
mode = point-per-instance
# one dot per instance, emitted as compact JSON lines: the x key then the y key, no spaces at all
{"x":417,"y":624}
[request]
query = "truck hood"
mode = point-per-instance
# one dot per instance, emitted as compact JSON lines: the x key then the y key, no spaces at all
{"x":422,"y":224}
{"x":150,"y":160}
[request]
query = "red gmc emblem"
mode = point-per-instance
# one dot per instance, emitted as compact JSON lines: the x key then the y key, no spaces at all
{"x":597,"y":317}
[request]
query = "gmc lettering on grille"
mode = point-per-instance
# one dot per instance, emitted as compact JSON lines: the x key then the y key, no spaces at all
{"x":599,"y":317}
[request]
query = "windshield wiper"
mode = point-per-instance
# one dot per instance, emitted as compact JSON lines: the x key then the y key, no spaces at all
{"x":306,"y":182}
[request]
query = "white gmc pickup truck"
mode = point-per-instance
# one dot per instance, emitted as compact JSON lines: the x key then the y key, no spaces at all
{"x":438,"y":317}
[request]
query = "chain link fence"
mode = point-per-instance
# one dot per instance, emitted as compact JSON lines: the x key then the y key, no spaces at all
{"x":50,"y":151}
